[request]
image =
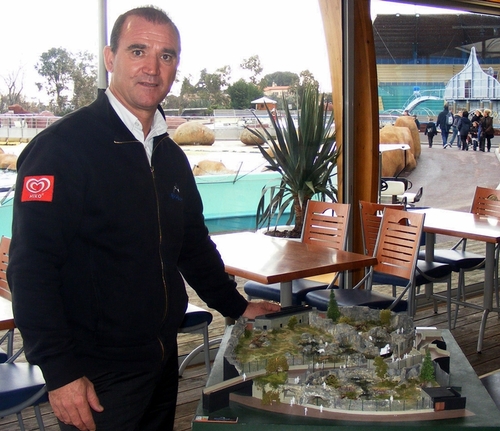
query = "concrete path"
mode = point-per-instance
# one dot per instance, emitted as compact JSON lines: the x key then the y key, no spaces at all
{"x":449,"y":176}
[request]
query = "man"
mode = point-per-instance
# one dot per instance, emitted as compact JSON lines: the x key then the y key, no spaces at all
{"x":106,"y":219}
{"x":444,"y":124}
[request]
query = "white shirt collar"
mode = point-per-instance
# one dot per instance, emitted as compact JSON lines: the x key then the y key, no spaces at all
{"x":132,"y":123}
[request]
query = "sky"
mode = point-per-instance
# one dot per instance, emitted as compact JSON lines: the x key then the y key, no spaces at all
{"x":287,"y":35}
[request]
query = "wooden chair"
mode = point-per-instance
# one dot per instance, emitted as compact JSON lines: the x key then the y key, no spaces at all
{"x":396,"y":251}
{"x":21,"y":384}
{"x":486,"y":202}
{"x":325,"y":223}
{"x":426,"y":272}
{"x":8,"y":337}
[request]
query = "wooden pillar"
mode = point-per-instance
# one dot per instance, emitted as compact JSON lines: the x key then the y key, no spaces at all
{"x":349,"y":37}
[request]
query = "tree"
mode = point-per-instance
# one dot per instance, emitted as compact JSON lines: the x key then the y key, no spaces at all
{"x":210,"y":86}
{"x":57,"y":67}
{"x":333,"y":311}
{"x":253,"y":65}
{"x":242,"y":93}
{"x":427,"y":370}
{"x":280,"y":78}
{"x":14,"y":82}
{"x":84,"y":78}
{"x":381,"y":367}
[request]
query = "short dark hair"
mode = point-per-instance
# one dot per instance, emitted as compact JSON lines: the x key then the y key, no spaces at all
{"x":149,"y":13}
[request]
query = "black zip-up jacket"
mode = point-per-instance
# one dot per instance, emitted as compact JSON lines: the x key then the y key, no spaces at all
{"x":100,"y":239}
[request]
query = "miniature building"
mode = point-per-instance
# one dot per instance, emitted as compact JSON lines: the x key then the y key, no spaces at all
{"x":281,"y":319}
{"x":445,"y":398}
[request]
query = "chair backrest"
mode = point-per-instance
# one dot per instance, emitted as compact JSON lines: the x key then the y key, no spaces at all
{"x":486,"y":202}
{"x":326,"y":222}
{"x":398,"y":243}
{"x":371,"y":217}
{"x":4,"y":261}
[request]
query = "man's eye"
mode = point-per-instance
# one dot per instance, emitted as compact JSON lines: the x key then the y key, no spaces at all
{"x":167,"y":57}
{"x":137,"y":52}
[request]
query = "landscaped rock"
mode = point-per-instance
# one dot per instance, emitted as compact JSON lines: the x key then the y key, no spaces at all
{"x":394,"y":161}
{"x":406,"y":121}
{"x":8,"y":161}
{"x":210,"y":167}
{"x":248,"y":138}
{"x":193,"y":133}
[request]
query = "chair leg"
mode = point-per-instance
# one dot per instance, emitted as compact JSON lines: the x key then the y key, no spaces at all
{"x":448,"y":302}
{"x":39,"y":419}
{"x":20,"y":421}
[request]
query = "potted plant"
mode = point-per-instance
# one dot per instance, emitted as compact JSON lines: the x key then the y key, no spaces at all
{"x":305,"y":155}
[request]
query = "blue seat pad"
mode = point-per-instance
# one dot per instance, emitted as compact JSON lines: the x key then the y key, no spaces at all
{"x":196,"y":315}
{"x":458,"y":259}
{"x":18,"y":382}
{"x":350,"y":297}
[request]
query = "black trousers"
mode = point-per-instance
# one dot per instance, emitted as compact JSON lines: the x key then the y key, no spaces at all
{"x":137,"y":401}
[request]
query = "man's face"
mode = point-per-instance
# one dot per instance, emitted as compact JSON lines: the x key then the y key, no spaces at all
{"x":144,"y":65}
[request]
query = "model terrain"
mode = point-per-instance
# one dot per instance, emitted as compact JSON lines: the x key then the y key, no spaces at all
{"x":367,"y":361}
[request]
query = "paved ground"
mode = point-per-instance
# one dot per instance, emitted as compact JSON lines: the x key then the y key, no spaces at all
{"x":449,"y":177}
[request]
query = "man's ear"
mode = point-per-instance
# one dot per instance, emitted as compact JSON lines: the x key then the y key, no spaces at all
{"x":109,"y":58}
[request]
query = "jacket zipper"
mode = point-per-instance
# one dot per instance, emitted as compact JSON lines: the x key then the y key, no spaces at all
{"x":159,"y":251}
{"x":152,"y":170}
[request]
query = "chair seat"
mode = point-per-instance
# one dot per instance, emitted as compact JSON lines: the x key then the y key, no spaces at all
{"x":3,"y":356}
{"x":195,"y":316}
{"x":19,"y":384}
{"x":271,"y":292}
{"x":431,"y":269}
{"x":458,"y":259}
{"x":351,"y":297}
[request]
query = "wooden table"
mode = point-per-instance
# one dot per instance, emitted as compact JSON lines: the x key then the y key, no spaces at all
{"x":267,"y":260}
{"x":7,"y":323}
{"x":6,"y":316}
{"x":471,"y":226}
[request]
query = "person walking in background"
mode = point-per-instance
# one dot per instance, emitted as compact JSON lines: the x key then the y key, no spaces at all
{"x":487,"y":131}
{"x":417,"y":123}
{"x":444,"y":122}
{"x":464,"y":127}
{"x":454,"y":129}
{"x":430,"y":131}
{"x":108,"y":224}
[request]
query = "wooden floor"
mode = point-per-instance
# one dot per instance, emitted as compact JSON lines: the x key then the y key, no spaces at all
{"x":194,"y":378}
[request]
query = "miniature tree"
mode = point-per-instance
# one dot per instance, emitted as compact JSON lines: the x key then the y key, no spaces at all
{"x":380,"y":367}
{"x":333,"y":311}
{"x":385,"y":317}
{"x":427,"y":370}
{"x":292,"y":323}
{"x":278,"y":364}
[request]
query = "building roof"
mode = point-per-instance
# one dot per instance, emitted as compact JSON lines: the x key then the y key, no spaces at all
{"x":400,"y":37}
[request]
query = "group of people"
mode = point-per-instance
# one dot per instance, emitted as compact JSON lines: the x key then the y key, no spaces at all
{"x":476,"y":129}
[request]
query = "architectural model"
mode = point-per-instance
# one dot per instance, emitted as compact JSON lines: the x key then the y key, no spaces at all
{"x":369,"y":362}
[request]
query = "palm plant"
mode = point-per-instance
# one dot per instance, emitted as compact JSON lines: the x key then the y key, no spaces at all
{"x":305,"y":156}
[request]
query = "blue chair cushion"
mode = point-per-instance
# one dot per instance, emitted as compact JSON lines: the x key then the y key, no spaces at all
{"x":432,"y":269}
{"x":271,"y":292}
{"x":195,"y":316}
{"x":351,"y":297}
{"x":3,"y":356}
{"x":458,"y":259}
{"x":19,"y":382}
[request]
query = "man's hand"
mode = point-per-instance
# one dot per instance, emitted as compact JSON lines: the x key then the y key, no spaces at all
{"x":255,"y":309}
{"x":72,"y":402}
